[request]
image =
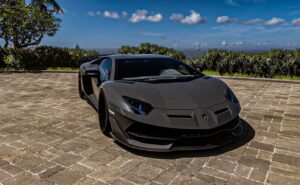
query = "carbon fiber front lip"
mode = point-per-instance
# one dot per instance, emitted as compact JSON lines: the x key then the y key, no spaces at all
{"x":119,"y":136}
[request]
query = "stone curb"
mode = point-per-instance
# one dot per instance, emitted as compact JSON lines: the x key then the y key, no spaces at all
{"x":222,"y":77}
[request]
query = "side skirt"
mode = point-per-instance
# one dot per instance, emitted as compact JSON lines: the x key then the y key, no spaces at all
{"x":90,"y":100}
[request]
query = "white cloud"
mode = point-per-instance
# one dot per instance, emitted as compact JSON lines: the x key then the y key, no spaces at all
{"x":234,"y":2}
{"x":197,"y":46}
{"x":193,"y":18}
{"x":153,"y":34}
{"x":90,"y":13}
{"x":155,"y":18}
{"x":274,"y":21}
{"x":176,"y":17}
{"x":142,"y":15}
{"x":291,"y":44}
{"x":236,"y":43}
{"x":112,"y":15}
{"x":224,"y":43}
{"x":253,"y":21}
{"x":108,"y":14}
{"x":296,"y":22}
{"x":138,"y":16}
{"x":226,"y":19}
{"x":204,"y":44}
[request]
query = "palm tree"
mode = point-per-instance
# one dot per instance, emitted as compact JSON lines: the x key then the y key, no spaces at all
{"x":42,"y":4}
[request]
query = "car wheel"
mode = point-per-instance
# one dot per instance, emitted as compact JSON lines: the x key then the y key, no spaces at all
{"x":104,"y":117}
{"x":81,"y":93}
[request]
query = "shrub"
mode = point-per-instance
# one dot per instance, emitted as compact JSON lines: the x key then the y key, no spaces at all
{"x":268,"y":64}
{"x":12,"y":62}
{"x":264,"y":64}
{"x":148,"y":48}
{"x":44,"y":57}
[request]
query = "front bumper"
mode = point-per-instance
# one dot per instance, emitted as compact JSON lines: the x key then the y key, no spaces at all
{"x":162,"y":139}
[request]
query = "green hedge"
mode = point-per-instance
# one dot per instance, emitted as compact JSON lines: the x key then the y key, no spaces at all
{"x":44,"y":57}
{"x":276,"y":62}
{"x":148,"y":48}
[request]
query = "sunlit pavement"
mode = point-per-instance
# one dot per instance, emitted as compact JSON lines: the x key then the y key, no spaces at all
{"x":48,"y":135}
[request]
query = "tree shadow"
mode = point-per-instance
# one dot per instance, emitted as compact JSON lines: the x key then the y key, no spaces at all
{"x":246,"y":138}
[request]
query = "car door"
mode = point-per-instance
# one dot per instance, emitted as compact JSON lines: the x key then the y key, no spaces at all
{"x":105,"y":70}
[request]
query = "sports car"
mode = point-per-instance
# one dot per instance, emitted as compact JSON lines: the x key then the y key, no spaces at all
{"x":157,"y":103}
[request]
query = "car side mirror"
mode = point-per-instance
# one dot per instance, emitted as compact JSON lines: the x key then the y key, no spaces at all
{"x":200,"y":68}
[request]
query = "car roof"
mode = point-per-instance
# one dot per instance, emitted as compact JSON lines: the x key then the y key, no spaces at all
{"x":127,"y":56}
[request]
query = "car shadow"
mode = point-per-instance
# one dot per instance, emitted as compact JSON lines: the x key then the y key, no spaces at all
{"x":246,"y":138}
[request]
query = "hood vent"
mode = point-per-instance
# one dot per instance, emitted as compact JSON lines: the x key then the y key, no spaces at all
{"x":221,"y":111}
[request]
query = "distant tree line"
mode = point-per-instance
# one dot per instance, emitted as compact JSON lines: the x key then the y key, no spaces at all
{"x":148,"y":48}
{"x":44,"y":57}
{"x":276,"y":62}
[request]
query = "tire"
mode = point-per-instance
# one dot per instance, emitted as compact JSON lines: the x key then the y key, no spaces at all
{"x":104,"y":123}
{"x":80,"y":91}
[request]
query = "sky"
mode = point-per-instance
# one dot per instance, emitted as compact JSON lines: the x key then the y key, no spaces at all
{"x":200,"y":24}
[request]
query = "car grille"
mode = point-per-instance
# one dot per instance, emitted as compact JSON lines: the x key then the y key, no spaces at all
{"x":155,"y":134}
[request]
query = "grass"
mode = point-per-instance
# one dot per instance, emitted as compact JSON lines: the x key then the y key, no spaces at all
{"x":61,"y":69}
{"x":215,"y":73}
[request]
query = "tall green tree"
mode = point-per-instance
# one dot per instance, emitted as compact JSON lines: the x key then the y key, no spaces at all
{"x":43,"y":4}
{"x":23,"y":26}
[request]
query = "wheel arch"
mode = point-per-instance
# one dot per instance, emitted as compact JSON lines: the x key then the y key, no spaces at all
{"x":101,"y":97}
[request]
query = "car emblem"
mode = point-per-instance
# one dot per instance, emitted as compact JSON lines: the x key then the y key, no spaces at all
{"x":205,"y":117}
{"x":230,"y":111}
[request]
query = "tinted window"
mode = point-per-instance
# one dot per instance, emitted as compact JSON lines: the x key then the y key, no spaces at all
{"x":105,"y":68}
{"x":129,"y":68}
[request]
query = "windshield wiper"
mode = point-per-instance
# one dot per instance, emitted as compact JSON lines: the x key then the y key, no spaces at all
{"x":146,"y":78}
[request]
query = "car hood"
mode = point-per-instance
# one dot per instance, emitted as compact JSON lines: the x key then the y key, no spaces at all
{"x":200,"y":92}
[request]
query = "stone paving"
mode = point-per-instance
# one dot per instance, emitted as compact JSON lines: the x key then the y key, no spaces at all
{"x":48,"y":135}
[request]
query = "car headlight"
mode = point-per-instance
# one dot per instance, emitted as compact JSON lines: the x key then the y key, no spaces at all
{"x":230,"y":96}
{"x":138,"y":106}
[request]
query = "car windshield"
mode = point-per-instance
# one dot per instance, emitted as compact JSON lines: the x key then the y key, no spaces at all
{"x":153,"y":69}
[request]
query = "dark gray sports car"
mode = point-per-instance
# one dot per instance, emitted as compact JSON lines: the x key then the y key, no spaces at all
{"x":156,"y":103}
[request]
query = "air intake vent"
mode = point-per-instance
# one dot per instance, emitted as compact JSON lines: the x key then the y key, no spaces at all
{"x":180,"y":116}
{"x":221,"y":111}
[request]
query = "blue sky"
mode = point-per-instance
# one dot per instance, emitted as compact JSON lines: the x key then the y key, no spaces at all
{"x":238,"y":24}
